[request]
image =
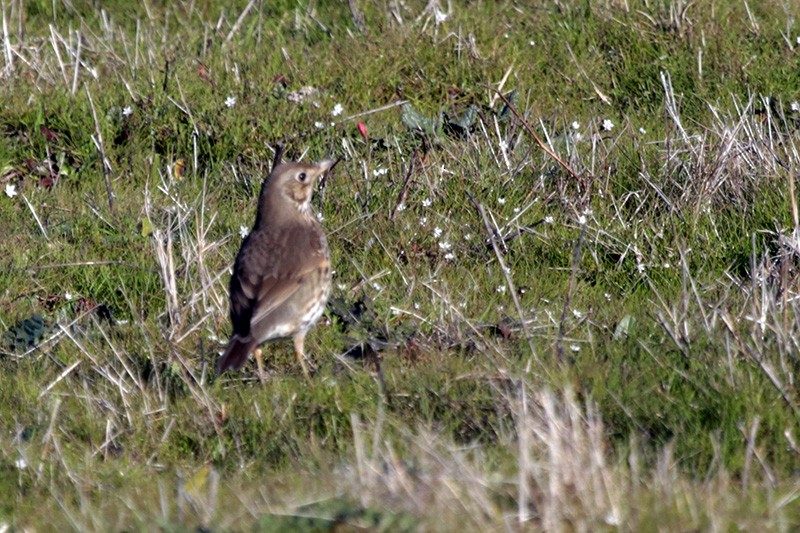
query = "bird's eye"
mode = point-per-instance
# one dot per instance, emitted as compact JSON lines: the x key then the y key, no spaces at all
{"x":302,"y":176}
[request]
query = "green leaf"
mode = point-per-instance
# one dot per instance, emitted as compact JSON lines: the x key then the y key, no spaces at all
{"x":417,"y":121}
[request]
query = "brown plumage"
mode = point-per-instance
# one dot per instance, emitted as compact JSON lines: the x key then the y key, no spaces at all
{"x":282,"y":276}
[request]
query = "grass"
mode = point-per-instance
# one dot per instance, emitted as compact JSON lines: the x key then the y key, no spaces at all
{"x":511,"y":343}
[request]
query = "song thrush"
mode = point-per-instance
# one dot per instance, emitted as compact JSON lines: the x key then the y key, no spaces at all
{"x":282,"y":275}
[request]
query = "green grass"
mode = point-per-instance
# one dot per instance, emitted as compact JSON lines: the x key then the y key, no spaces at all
{"x":642,"y":379}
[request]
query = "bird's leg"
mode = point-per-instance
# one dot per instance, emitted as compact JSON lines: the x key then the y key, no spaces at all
{"x":299,"y":341}
{"x":260,"y":364}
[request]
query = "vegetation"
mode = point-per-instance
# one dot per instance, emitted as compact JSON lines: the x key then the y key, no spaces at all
{"x":595,"y":330}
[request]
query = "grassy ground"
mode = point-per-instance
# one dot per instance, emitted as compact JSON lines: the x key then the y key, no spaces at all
{"x":599,"y":336}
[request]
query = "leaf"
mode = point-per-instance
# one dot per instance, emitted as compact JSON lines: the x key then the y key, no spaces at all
{"x":513,"y":98}
{"x":417,"y":121}
{"x":25,"y":334}
{"x":147,"y":227}
{"x":624,"y":327}
{"x":463,"y":125}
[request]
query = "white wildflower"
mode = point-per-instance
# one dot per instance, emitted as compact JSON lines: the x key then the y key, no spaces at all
{"x":667,"y":265}
{"x":607,"y":125}
{"x":449,"y":256}
{"x":21,"y":463}
{"x":127,"y":111}
{"x":532,"y":43}
{"x":577,"y":314}
{"x":501,"y":201}
{"x":501,"y":289}
{"x":68,"y":296}
{"x":337,"y":110}
{"x":376,"y":286}
{"x":319,"y":125}
{"x":467,"y":236}
{"x":401,"y":207}
{"x":11,"y":190}
{"x":574,"y":347}
{"x":642,"y":131}
{"x":548,"y":220}
{"x":582,"y":220}
{"x":230,"y":101}
{"x":795,"y":106}
{"x":444,"y":245}
{"x":380,"y":172}
{"x":426,"y":202}
{"x":243,"y":231}
{"x":437,"y":232}
{"x":575,"y":124}
{"x":423,"y":221}
{"x":439,"y":16}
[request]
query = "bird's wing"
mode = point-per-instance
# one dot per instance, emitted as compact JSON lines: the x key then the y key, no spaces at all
{"x":264,"y":278}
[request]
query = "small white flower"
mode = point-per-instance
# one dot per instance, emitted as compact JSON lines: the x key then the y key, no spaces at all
{"x":319,"y":125}
{"x":423,"y":221}
{"x":582,"y":220}
{"x":577,"y":314}
{"x":501,"y":201}
{"x":641,"y":268}
{"x":607,"y":296}
{"x":68,"y":296}
{"x":437,"y":232}
{"x":127,"y":111}
{"x":468,"y":236}
{"x":21,"y":463}
{"x":667,"y":265}
{"x":516,"y":209}
{"x":380,"y":172}
{"x":449,"y":256}
{"x":505,"y":36}
{"x":337,"y":110}
{"x":574,"y":347}
{"x":121,"y":322}
{"x":444,"y":245}
{"x":11,"y":190}
{"x":607,"y":125}
{"x":439,"y":16}
{"x":376,"y":286}
{"x":795,"y":106}
{"x":503,"y":145}
{"x":320,"y":217}
{"x":426,"y":202}
{"x":230,"y":101}
{"x":642,"y":131}
{"x":532,"y":43}
{"x":575,"y":124}
{"x":579,"y":136}
{"x":213,"y":338}
{"x":797,"y":40}
{"x":243,"y":231}
{"x":548,"y":220}
{"x":401,"y":207}
{"x":501,"y":289}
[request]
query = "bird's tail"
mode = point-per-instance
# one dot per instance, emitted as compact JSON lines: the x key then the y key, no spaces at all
{"x":235,"y":354}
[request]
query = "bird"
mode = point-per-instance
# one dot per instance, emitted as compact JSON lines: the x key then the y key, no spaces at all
{"x":281,"y":277}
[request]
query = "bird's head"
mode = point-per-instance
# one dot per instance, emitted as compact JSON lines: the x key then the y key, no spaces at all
{"x":290,"y":187}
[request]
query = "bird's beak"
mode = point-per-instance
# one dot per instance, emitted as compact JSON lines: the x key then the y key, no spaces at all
{"x":327,"y":165}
